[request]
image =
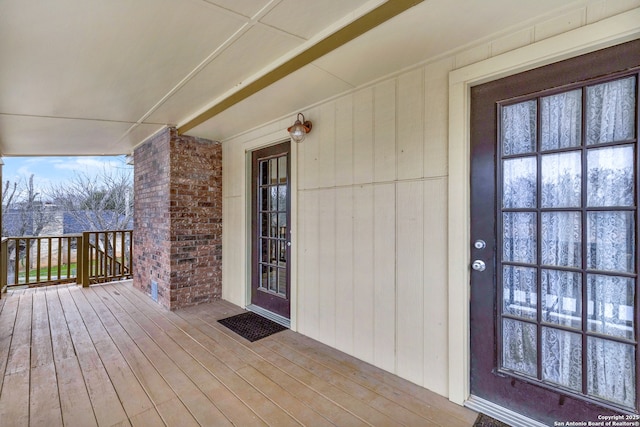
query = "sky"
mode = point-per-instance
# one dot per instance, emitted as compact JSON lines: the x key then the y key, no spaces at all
{"x":48,"y":171}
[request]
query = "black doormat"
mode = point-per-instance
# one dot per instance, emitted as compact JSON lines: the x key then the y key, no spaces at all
{"x":486,"y":421}
{"x":251,"y":326}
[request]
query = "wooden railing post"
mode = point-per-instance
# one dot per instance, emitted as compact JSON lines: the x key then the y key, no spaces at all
{"x":4,"y":259}
{"x":84,"y":256}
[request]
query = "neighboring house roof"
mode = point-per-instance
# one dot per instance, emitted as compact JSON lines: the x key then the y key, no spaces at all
{"x":17,"y":222}
{"x":14,"y":220}
{"x":74,"y":223}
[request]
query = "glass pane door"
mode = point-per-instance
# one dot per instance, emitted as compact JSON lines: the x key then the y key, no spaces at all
{"x":271,"y":237}
{"x":567,"y":247}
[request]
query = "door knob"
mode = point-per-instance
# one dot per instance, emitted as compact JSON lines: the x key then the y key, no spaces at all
{"x":478,"y":265}
{"x":479,"y":244}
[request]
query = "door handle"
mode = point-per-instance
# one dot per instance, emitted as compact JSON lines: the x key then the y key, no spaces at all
{"x":479,"y":265}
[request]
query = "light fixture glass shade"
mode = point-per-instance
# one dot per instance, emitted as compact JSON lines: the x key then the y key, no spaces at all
{"x":300,"y":129}
{"x":297,"y":131}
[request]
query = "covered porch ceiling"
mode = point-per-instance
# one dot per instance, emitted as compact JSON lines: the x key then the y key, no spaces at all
{"x":98,"y":77}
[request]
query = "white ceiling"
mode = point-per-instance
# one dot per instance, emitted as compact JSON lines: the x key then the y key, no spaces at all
{"x":97,"y":77}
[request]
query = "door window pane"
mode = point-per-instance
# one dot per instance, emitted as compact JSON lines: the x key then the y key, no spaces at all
{"x":519,"y":344}
{"x":562,"y":358}
{"x":561,"y":120}
{"x":611,"y":305}
{"x":519,"y":183}
{"x":611,"y":241}
{"x":611,"y":370}
{"x":562,"y":298}
{"x":562,"y":239}
{"x":561,"y":180}
{"x":610,"y":176}
{"x":520,"y":291}
{"x":519,"y":240}
{"x":519,"y":128}
{"x":611,"y":111}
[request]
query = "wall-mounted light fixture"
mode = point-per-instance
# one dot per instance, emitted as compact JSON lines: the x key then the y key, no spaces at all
{"x":300,"y":129}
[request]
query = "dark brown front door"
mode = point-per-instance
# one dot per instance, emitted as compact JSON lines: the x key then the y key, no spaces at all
{"x":271,"y":237}
{"x":554,"y":217}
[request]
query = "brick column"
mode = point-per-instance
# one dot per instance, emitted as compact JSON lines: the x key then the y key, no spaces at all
{"x":178,"y":219}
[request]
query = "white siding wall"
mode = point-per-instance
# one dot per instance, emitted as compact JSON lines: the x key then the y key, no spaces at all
{"x":370,"y":242}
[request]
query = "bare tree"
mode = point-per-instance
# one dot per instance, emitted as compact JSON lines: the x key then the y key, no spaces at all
{"x":25,"y":213}
{"x":103,"y":201}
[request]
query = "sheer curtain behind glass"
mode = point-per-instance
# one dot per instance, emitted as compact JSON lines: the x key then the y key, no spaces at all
{"x":599,"y":224}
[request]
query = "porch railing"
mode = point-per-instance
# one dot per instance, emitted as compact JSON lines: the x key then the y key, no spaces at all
{"x":87,"y":258}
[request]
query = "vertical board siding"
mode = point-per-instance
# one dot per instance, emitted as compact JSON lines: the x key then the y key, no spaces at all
{"x":363,"y":137}
{"x":436,"y":118}
{"x":410,"y":281}
{"x":384,"y":276}
{"x":435,"y":296}
{"x":234,"y":258}
{"x":327,"y":264}
{"x":384,"y":132}
{"x":326,"y":125}
{"x":310,"y":304}
{"x":369,"y":249}
{"x":410,"y":124}
{"x":344,"y":269}
{"x":344,"y":141}
{"x":363,"y":286}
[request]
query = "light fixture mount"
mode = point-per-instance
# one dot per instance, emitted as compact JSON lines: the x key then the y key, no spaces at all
{"x":300,"y":128}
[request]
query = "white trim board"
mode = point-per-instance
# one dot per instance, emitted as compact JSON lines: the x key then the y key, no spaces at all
{"x":608,"y":32}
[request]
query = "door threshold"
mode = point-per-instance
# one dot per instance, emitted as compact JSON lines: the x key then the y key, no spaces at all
{"x":500,"y":413}
{"x":281,"y":320}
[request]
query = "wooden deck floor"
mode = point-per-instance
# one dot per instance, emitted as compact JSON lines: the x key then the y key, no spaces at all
{"x":109,"y":356}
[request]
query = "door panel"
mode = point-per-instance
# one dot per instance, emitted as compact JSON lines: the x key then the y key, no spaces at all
{"x":554,"y":202}
{"x":271,"y":241}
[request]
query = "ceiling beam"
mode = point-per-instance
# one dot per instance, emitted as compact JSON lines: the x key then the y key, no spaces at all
{"x":358,"y":27}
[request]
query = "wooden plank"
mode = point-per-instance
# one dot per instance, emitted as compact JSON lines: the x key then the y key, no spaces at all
{"x":347,"y":385}
{"x":271,"y":353}
{"x":132,"y":395}
{"x":419,"y":400}
{"x":230,"y":392}
{"x":228,"y":403}
{"x":174,"y":413}
{"x":106,"y":405}
{"x":332,"y":411}
{"x":158,"y":353}
{"x":410,"y":281}
{"x":384,"y":131}
{"x":296,"y":409}
{"x":148,"y":418}
{"x":7,"y":322}
{"x":410,"y":125}
{"x":384,"y":277}
{"x":44,"y":398}
{"x":363,"y":136}
{"x":74,"y":398}
{"x":14,"y":398}
{"x":44,"y":402}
